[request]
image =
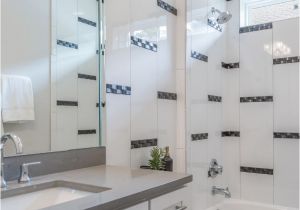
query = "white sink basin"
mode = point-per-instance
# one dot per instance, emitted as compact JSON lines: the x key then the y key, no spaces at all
{"x":45,"y":195}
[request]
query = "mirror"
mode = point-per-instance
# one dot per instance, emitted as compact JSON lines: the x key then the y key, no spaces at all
{"x":52,"y":48}
{"x":254,"y":12}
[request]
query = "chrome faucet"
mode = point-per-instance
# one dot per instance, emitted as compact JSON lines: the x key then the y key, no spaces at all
{"x":19,"y":149}
{"x":24,"y":176}
{"x":220,"y":191}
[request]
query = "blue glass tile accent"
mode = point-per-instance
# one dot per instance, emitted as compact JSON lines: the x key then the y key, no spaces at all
{"x":86,"y":21}
{"x":285,"y":135}
{"x":143,"y":44}
{"x":67,"y":44}
{"x":258,"y":27}
{"x":118,"y":89}
{"x":199,"y":56}
{"x":254,"y":170}
{"x":295,"y":59}
{"x":256,"y":99}
{"x":135,"y":144}
{"x":167,"y":7}
{"x":199,"y":136}
{"x":166,"y":95}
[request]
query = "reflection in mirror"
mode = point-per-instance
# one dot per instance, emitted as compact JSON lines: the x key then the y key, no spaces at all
{"x":50,"y":74}
{"x":255,"y":12}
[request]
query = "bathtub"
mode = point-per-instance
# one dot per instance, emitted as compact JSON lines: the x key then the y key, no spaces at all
{"x":232,"y":204}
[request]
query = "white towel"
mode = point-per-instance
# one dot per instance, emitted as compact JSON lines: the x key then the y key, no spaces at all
{"x":17,"y":99}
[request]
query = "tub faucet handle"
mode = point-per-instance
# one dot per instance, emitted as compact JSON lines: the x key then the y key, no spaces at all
{"x":214,"y":169}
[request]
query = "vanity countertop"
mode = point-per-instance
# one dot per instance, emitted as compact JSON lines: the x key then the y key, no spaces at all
{"x":127,"y":186}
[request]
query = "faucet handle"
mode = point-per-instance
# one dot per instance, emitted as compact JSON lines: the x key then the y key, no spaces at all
{"x":24,"y":177}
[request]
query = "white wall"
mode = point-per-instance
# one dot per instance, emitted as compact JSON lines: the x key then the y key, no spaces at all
{"x":256,"y":122}
{"x":66,"y":64}
{"x":26,"y":51}
{"x":27,"y":36}
{"x":141,"y":115}
{"x":203,"y":116}
{"x":259,"y":77}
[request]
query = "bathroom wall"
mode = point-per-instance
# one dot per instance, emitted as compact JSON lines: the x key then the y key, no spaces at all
{"x":75,"y":74}
{"x":145,"y":80}
{"x":20,"y":57}
{"x":256,"y":139}
{"x":54,"y":71}
{"x":269,"y":115}
{"x":206,"y":51}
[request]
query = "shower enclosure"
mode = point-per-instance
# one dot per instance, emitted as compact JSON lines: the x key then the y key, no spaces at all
{"x":243,"y":102}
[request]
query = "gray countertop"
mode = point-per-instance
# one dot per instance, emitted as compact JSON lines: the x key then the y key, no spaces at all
{"x":128,"y":186}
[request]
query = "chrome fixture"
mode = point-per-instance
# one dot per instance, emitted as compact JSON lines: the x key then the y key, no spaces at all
{"x":214,"y":169}
{"x":24,"y":177}
{"x":19,"y":149}
{"x":221,"y":17}
{"x":220,"y":191}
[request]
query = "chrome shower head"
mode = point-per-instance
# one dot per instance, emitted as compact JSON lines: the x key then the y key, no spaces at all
{"x":222,"y":17}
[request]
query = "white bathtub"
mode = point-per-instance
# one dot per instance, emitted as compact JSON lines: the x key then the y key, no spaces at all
{"x":232,"y":204}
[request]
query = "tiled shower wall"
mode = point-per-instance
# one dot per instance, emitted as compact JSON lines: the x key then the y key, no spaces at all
{"x":269,"y":115}
{"x":206,"y":50}
{"x":74,"y":74}
{"x":242,"y":109}
{"x":145,"y":80}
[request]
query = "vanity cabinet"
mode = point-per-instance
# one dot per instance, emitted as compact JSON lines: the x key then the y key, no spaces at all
{"x":176,"y":200}
{"x":141,"y":206}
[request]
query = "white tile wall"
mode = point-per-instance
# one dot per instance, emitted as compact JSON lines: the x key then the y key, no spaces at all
{"x":146,"y":72}
{"x":118,"y":106}
{"x":66,"y":64}
{"x":286,"y":172}
{"x":257,"y":187}
{"x":286,"y":44}
{"x":118,"y":130}
{"x":256,"y":121}
{"x":144,"y":94}
{"x":286,"y":97}
{"x":230,"y":100}
{"x":231,"y":162}
{"x":256,"y":63}
{"x":286,"y":113}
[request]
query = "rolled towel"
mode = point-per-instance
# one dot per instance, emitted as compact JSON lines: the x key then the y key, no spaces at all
{"x":17,"y":99}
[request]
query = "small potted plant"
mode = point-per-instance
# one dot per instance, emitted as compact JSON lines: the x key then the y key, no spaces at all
{"x":156,"y":162}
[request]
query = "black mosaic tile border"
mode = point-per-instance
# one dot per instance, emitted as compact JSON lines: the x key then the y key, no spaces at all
{"x":66,"y":103}
{"x":256,"y":99}
{"x":257,"y":170}
{"x":214,"y":98}
{"x":67,"y":44}
{"x":214,"y":25}
{"x":230,"y":65}
{"x":166,"y":95}
{"x":143,"y":44}
{"x":258,"y":27}
{"x":85,"y":132}
{"x":167,"y":7}
{"x":118,"y":89}
{"x":199,"y":136}
{"x":135,"y":144}
{"x":86,"y":21}
{"x":230,"y":134}
{"x":87,"y":76}
{"x":295,"y":59}
{"x":285,"y":135}
{"x":199,"y":56}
